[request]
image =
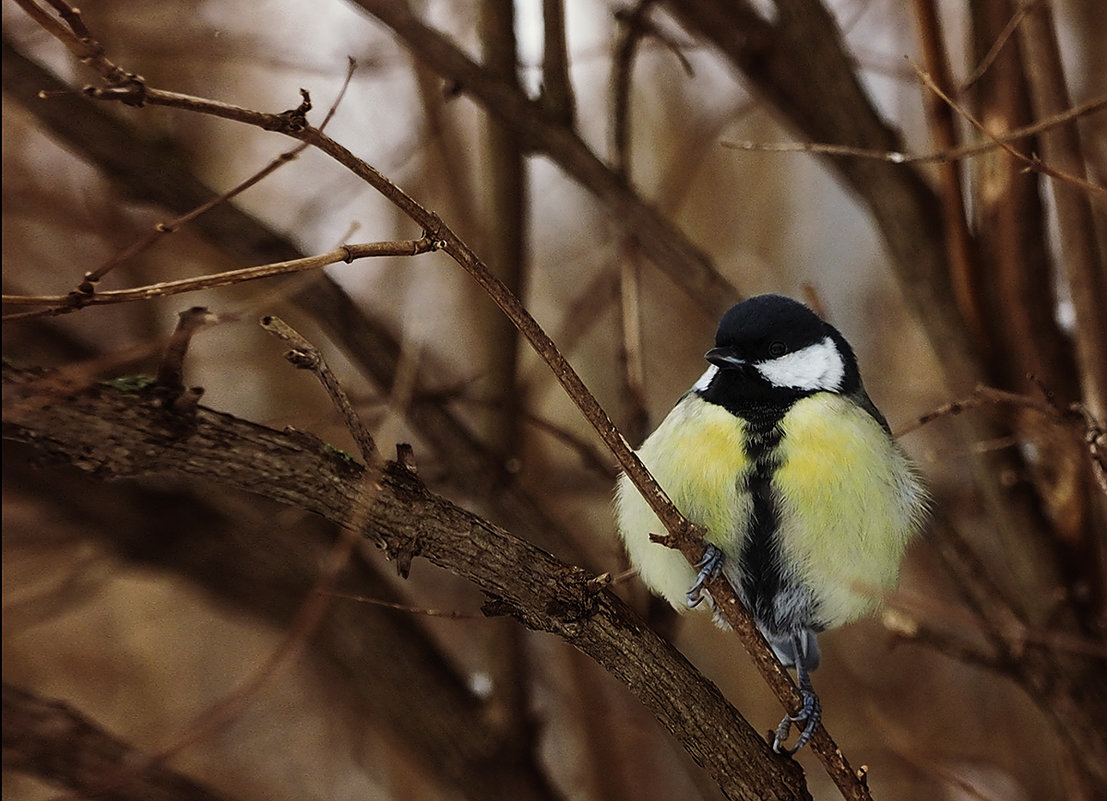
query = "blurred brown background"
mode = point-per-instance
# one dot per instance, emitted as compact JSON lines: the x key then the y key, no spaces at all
{"x":141,"y":604}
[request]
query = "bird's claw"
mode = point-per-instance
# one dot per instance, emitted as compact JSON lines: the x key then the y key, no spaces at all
{"x":811,"y":712}
{"x":708,"y":567}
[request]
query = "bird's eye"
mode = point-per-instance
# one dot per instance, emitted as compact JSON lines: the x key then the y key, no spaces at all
{"x":777,"y":349}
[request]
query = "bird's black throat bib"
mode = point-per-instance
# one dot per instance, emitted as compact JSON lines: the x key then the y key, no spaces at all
{"x":758,"y":577}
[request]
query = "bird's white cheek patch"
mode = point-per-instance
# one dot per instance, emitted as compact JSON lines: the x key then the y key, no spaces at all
{"x":816,"y":367}
{"x":705,"y":379}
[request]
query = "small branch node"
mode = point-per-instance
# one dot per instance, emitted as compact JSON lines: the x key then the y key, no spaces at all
{"x":302,"y":360}
{"x":405,"y":457}
{"x":294,"y":120}
{"x":187,"y":401}
{"x":87,"y":287}
{"x":405,"y":555}
{"x":128,"y":88}
{"x":599,"y":583}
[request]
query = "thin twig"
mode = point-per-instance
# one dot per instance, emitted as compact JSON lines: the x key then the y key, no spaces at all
{"x":897,"y":157}
{"x":997,"y":45}
{"x":88,"y":284}
{"x":1076,"y":416}
{"x":451,"y":614}
{"x":1033,"y":162}
{"x":983,"y":396}
{"x":306,"y":356}
{"x":62,"y":304}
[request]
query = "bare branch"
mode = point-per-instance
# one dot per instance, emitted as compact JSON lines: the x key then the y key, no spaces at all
{"x":994,"y":141}
{"x":999,"y":43}
{"x":55,"y":743}
{"x":306,"y":356}
{"x":1032,"y":162}
{"x":960,"y":244}
{"x":62,"y":304}
{"x":171,"y":368}
{"x":136,"y":437}
{"x":87,"y":286}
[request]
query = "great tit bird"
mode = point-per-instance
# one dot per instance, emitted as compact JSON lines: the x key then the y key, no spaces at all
{"x":807,"y":501}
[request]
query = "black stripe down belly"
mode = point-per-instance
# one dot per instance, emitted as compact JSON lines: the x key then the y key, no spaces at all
{"x":759,"y":559}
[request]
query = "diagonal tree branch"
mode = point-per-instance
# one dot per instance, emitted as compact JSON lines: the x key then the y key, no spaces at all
{"x":112,"y":433}
{"x":145,"y":171}
{"x":55,"y":743}
{"x":231,"y":550}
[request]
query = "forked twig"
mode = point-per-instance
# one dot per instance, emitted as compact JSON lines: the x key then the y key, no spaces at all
{"x":1033,"y":162}
{"x":306,"y":356}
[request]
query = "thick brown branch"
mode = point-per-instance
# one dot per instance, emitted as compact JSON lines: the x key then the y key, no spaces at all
{"x":112,"y":433}
{"x":269,"y":572}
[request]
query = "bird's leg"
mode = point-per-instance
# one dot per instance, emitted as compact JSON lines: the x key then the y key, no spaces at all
{"x":810,"y":711}
{"x":709,"y":565}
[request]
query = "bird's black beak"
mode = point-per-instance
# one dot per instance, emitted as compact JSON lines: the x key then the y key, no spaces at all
{"x":724,"y":358}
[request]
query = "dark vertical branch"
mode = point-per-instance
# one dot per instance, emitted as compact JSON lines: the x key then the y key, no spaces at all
{"x":506,"y":231}
{"x":1062,"y":150}
{"x":635,"y":416}
{"x":1010,"y":221}
{"x":960,"y":248}
{"x":1021,"y":302}
{"x":506,"y":247}
{"x":557,"y":96}
{"x":1087,"y":279}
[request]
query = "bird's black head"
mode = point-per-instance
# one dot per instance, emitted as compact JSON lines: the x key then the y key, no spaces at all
{"x":773,"y":348}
